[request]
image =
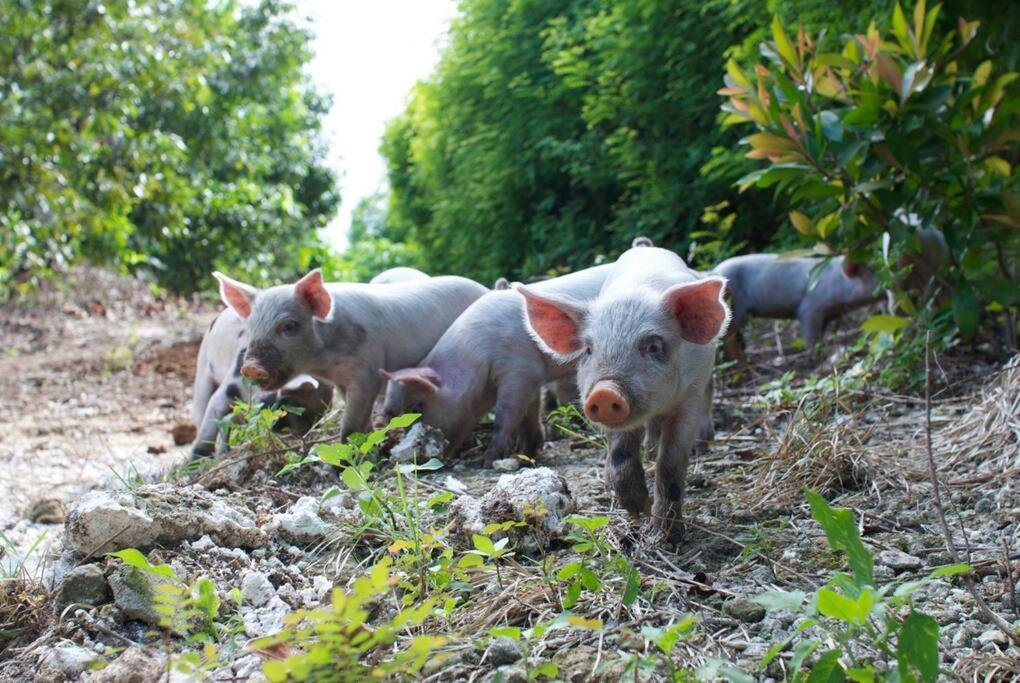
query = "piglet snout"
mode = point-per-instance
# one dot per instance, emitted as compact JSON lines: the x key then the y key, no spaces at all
{"x":606,"y":404}
{"x":253,"y":371}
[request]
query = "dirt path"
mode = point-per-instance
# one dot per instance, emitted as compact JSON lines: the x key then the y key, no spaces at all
{"x":94,"y":379}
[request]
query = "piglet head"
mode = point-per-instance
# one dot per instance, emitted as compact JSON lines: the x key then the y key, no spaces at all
{"x":634,"y":349}
{"x":282,"y":341}
{"x":860,"y":284}
{"x":423,"y":390}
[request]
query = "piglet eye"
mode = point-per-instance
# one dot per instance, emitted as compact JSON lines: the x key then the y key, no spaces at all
{"x":587,"y":350}
{"x":288,"y":327}
{"x":653,"y":346}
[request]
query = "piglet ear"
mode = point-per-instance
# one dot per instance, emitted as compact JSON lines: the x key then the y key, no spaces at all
{"x":554,"y":323}
{"x":699,"y":309}
{"x":298,"y":384}
{"x":312,"y":291}
{"x":236,"y":295}
{"x":851,"y":269}
{"x":424,"y":378}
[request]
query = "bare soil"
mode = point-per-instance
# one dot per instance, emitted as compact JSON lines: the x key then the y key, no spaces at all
{"x":95,"y":375}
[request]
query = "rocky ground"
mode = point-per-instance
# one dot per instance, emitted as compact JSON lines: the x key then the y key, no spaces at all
{"x":94,"y":386}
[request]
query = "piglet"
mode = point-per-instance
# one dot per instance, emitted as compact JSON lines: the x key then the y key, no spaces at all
{"x":398,"y":274}
{"x":773,"y":286}
{"x":644,"y":351}
{"x":488,"y":361}
{"x":218,"y":383}
{"x":344,"y":332}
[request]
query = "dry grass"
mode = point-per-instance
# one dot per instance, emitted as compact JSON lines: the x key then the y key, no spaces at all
{"x":823,"y":447}
{"x":24,"y":610}
{"x":989,"y":432}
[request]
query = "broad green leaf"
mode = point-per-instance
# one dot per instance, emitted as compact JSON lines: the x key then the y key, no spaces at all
{"x":589,"y":523}
{"x":402,"y":421}
{"x":585,"y":623}
{"x":545,"y":670}
{"x":568,"y":571}
{"x":837,"y":606}
{"x":737,"y":74}
{"x":135,"y":558}
{"x":483,"y":544}
{"x":512,"y":632}
{"x":774,"y":601}
{"x":841,"y":530}
{"x":998,"y":165}
{"x":918,"y":649}
{"x":951,"y":570}
{"x":827,"y":669}
{"x":900,"y":28}
{"x":889,"y":324}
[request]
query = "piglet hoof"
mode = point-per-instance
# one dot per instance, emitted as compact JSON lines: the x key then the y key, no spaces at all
{"x":669,"y":523}
{"x":200,"y":451}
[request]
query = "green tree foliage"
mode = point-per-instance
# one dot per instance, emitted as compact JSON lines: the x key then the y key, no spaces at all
{"x":554,"y":131}
{"x":170,"y":137}
{"x":877,"y":136}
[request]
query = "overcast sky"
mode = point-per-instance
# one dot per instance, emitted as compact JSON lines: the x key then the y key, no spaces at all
{"x":368,"y":55}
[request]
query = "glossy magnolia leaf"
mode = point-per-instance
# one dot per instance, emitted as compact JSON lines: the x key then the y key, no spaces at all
{"x":997,"y":164}
{"x":802,"y":223}
{"x":770,"y":142}
{"x":918,"y":649}
{"x":783,"y":45}
{"x":737,"y":74}
{"x":1012,"y":205}
{"x":832,"y":127}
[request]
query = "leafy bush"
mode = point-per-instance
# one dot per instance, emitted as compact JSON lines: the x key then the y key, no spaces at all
{"x":169,"y":138}
{"x":854,"y":616}
{"x":885,"y":137}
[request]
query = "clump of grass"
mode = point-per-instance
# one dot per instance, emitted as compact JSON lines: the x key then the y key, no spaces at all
{"x":823,"y":448}
{"x":24,"y":610}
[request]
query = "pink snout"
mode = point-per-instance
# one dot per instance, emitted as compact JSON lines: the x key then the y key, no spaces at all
{"x":606,"y":404}
{"x":253,"y":371}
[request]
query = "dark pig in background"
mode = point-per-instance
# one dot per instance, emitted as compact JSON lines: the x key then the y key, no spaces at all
{"x":774,"y":286}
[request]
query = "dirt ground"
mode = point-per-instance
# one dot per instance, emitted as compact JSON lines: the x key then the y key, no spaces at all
{"x":98,"y":376}
{"x":95,"y":375}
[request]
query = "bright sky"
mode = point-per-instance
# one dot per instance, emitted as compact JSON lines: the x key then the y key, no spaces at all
{"x":368,"y":55}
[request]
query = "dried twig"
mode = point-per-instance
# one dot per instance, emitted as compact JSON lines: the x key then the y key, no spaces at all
{"x":968,"y":581}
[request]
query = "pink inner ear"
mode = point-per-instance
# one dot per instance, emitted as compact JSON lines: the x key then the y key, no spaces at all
{"x":557,"y":329}
{"x":699,"y":309}
{"x":312,"y":290}
{"x":234,"y":296}
{"x":423,"y":378}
